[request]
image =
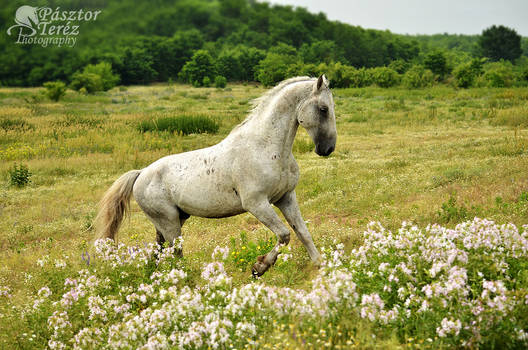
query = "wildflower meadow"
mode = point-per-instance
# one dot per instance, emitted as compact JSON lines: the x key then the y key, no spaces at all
{"x":435,"y":287}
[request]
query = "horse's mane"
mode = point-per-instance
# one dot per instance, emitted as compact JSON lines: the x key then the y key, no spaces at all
{"x":259,"y":102}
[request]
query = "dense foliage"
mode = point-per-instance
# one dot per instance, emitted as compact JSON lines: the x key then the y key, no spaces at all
{"x":500,"y":43}
{"x":195,"y":41}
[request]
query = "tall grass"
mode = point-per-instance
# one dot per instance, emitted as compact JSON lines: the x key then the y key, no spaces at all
{"x":16,"y":124}
{"x":184,"y":125}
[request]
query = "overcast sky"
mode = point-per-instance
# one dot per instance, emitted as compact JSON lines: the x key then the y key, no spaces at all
{"x":422,"y":16}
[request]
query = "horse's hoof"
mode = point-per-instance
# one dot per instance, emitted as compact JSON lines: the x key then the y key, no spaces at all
{"x":259,"y":268}
{"x":318,"y":262}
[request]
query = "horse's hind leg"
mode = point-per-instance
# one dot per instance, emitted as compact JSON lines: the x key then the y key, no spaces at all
{"x":159,"y":238}
{"x":167,"y":231}
{"x":167,"y":220}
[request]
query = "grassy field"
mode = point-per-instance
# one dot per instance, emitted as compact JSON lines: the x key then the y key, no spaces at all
{"x":437,"y":155}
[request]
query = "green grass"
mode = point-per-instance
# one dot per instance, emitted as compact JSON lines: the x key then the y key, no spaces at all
{"x":184,"y":125}
{"x":401,"y":155}
{"x":20,"y":125}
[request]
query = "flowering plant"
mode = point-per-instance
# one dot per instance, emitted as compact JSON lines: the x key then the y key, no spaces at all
{"x":437,"y":287}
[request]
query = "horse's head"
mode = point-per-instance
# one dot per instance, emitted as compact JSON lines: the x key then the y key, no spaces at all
{"x":316,"y":115}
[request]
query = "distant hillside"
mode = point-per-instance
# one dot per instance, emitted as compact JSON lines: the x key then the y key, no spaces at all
{"x":173,"y":30}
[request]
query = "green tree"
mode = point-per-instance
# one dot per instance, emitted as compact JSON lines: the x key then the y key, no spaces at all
{"x":500,"y":42}
{"x":200,"y":66}
{"x":228,"y":65}
{"x":400,"y":66}
{"x":136,"y":67}
{"x":233,"y":8}
{"x":418,"y":77}
{"x":321,"y":51}
{"x":274,"y":68}
{"x":436,"y":62}
{"x":249,"y":58}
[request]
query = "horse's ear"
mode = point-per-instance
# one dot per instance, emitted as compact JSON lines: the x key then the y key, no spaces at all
{"x":326,"y":81}
{"x":320,"y":81}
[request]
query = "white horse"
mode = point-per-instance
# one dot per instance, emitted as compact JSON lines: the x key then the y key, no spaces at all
{"x":248,"y":171}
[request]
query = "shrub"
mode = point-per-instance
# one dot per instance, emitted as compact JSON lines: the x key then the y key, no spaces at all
{"x":93,"y":78}
{"x":523,"y":75}
{"x":183,"y":125}
{"x":360,"y":77}
{"x":384,"y":77}
{"x":200,"y":66}
{"x":418,"y":77}
{"x":104,"y":70}
{"x":87,"y":82}
{"x":273,"y":68}
{"x":399,"y":66}
{"x":55,"y":90}
{"x":499,"y":74}
{"x":220,"y":82}
{"x":19,"y":176}
{"x":340,"y":75}
{"x":465,"y":74}
{"x":206,"y":82}
{"x":310,"y":69}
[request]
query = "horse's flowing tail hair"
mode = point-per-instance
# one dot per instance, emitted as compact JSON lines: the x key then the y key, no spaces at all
{"x":115,"y":204}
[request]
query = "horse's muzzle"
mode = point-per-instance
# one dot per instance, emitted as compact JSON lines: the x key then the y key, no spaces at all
{"x":324,"y":144}
{"x":324,"y":151}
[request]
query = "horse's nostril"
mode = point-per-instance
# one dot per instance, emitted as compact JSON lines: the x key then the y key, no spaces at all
{"x":330,"y":150}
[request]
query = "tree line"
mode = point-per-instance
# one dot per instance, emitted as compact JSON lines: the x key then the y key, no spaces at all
{"x":208,"y":41}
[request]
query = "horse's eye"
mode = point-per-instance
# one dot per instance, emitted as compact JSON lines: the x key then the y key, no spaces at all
{"x":323,"y":109}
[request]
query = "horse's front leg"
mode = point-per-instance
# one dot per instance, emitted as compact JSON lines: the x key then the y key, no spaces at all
{"x":263,"y":211}
{"x":290,"y":209}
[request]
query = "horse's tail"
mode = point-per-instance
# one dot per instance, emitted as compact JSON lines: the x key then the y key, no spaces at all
{"x":114,"y":205}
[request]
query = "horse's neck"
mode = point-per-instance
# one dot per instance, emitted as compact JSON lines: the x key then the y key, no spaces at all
{"x":277,"y":123}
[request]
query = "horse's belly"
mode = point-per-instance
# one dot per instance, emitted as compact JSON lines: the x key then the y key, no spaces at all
{"x":210,"y":204}
{"x":207,"y":195}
